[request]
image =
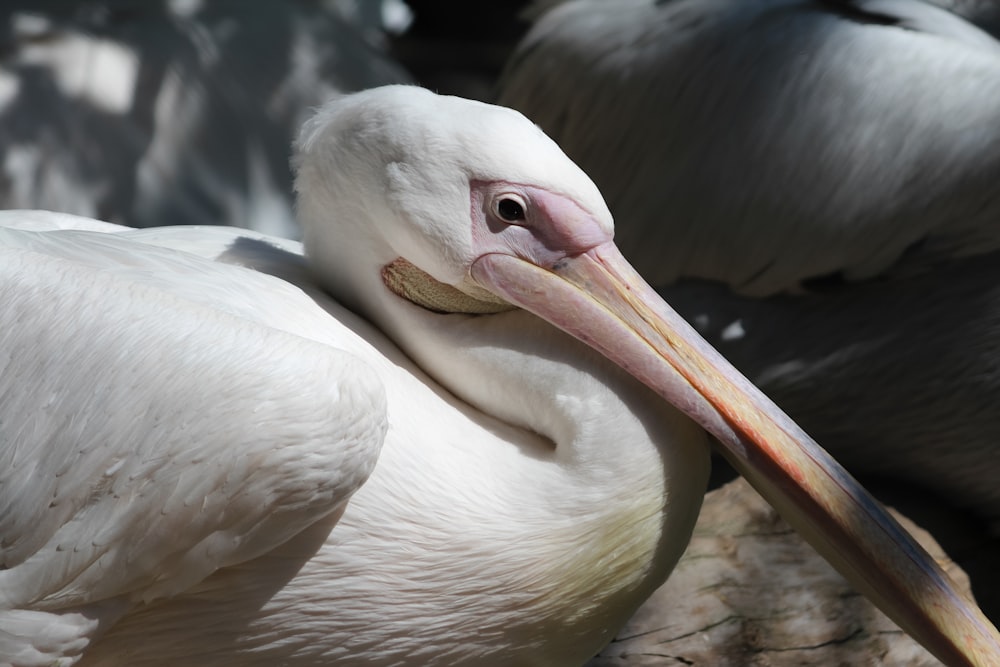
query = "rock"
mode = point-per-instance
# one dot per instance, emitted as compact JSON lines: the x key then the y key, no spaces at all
{"x":750,"y":591}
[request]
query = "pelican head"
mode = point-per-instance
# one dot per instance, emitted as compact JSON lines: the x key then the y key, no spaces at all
{"x":454,"y":180}
{"x":458,"y":206}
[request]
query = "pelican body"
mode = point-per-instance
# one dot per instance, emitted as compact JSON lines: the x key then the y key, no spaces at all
{"x":764,"y":143}
{"x":437,"y":435}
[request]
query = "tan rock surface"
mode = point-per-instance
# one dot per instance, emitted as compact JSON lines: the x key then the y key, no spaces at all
{"x":750,"y":591}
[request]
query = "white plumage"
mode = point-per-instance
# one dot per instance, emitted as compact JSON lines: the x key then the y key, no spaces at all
{"x":204,"y":463}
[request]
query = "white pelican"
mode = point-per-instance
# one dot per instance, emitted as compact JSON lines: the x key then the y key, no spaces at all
{"x":154,"y":112}
{"x":762,"y":143}
{"x":773,"y":144}
{"x":204,"y":464}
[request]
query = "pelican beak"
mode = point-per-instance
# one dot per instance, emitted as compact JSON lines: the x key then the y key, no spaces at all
{"x":597,"y":297}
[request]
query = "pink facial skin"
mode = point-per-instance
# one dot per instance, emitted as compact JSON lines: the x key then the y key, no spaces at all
{"x":554,"y":226}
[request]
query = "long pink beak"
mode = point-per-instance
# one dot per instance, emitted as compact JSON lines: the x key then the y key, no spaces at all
{"x":599,"y":298}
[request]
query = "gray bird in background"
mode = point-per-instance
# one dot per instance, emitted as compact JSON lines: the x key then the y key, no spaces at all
{"x":816,"y":186}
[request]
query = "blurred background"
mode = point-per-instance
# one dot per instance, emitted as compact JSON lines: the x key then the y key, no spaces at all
{"x":184,"y":111}
{"x":813,"y":184}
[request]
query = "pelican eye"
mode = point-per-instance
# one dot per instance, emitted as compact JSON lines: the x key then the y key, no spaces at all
{"x":511,"y":209}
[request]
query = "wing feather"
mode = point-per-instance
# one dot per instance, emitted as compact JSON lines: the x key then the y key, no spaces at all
{"x":147,"y":438}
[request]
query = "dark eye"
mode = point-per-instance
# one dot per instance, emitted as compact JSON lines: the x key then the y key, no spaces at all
{"x":510,"y":209}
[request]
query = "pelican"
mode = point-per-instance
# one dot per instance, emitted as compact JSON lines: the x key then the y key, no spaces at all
{"x":765,"y":143}
{"x":846,"y":150}
{"x":436,"y":436}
